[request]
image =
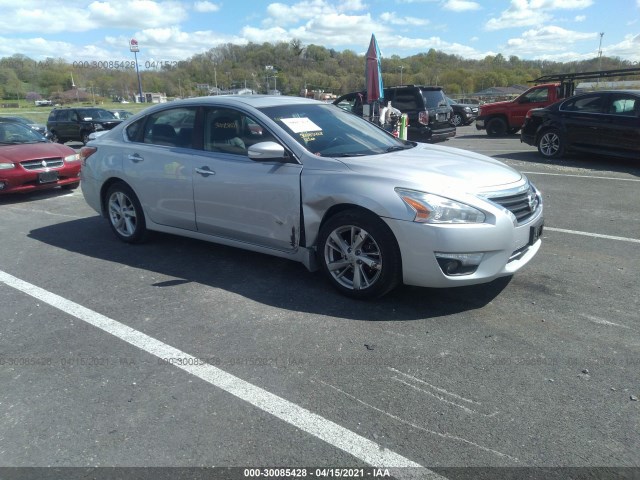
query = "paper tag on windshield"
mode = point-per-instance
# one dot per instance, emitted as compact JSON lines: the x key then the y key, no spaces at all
{"x":299,"y":125}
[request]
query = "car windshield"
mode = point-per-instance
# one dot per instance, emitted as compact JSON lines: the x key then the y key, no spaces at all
{"x":16,"y":133}
{"x":329,"y":131}
{"x":451,"y":101}
{"x":96,"y":114}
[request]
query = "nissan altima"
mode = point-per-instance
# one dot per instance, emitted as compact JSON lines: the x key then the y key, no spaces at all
{"x":307,"y":181}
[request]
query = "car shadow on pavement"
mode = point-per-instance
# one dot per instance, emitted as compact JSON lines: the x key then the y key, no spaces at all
{"x":577,"y":160}
{"x":262,"y":278}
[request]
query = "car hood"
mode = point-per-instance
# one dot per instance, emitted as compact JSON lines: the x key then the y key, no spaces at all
{"x":437,"y":168}
{"x":33,"y":151}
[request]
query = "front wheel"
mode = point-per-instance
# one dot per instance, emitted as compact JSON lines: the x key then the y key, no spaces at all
{"x":359,"y":254}
{"x":54,"y":137}
{"x":85,"y":137}
{"x":457,"y":120}
{"x":125,"y":214}
{"x":551,"y":144}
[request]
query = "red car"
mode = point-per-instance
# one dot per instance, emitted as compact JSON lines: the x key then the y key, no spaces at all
{"x":29,"y":162}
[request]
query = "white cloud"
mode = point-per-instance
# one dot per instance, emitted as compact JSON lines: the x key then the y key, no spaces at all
{"x":206,"y":7}
{"x":393,"y":19}
{"x":528,"y":13}
{"x":136,"y":13}
{"x":549,"y":43}
{"x":460,"y":5}
{"x":580,"y":18}
{"x":281,"y":14}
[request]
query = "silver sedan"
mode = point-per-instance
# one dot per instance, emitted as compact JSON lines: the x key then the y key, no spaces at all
{"x":307,"y":181}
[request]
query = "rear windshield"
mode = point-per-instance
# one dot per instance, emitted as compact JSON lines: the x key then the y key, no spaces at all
{"x":434,"y":98}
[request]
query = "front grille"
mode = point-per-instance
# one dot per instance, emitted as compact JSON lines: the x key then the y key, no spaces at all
{"x":523,"y":205}
{"x":42,"y":163}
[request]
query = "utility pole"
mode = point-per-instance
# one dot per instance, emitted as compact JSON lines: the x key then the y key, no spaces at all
{"x":401,"y":67}
{"x":600,"y":52}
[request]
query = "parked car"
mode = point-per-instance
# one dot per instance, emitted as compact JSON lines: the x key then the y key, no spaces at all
{"x":462,"y":114}
{"x":29,"y":162}
{"x":38,"y":127}
{"x":426,"y":107}
{"x":604,"y":122}
{"x":76,"y":124}
{"x":304,"y":180}
{"x":121,"y":114}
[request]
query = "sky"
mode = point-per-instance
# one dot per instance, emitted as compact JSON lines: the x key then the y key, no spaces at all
{"x":557,"y":30}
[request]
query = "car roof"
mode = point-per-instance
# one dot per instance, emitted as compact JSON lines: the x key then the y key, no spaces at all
{"x":256,"y":101}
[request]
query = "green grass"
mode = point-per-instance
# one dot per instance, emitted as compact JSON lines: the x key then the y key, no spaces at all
{"x":41,"y":114}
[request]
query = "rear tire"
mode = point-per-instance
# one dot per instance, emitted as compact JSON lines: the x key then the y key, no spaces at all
{"x":551,"y":143}
{"x":496,"y":127}
{"x":54,"y":137}
{"x":125,"y":213}
{"x":359,"y":254}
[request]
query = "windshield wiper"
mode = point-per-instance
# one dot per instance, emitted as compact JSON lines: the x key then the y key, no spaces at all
{"x":397,"y":148}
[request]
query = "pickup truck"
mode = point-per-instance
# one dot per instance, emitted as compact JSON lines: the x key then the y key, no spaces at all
{"x":502,"y":118}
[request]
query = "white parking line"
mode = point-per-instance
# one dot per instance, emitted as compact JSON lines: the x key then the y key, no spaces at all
{"x":583,"y":176}
{"x":326,"y":430}
{"x":596,"y":235}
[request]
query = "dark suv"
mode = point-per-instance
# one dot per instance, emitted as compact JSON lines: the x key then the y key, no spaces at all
{"x":77,"y":124}
{"x":429,"y":114}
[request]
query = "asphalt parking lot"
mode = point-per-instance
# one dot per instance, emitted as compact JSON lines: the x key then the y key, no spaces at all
{"x":183,"y":353}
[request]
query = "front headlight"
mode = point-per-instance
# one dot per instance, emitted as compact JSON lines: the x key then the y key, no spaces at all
{"x":72,"y":158}
{"x":431,"y":208}
{"x":467,"y":109}
{"x":6,"y":166}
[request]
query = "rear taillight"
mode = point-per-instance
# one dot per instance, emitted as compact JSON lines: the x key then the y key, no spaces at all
{"x":423,"y":117}
{"x":528,"y":115}
{"x":86,"y":152}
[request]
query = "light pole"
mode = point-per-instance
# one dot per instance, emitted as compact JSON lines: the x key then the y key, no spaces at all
{"x":401,"y":67}
{"x":133,"y":46}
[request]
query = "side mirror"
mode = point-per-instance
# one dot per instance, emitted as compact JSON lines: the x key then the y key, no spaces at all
{"x":266,"y":151}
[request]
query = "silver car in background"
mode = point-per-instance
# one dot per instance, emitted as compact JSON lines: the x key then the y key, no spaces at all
{"x":307,"y":181}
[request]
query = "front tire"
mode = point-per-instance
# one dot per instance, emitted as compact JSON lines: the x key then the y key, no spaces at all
{"x":359,"y":254}
{"x":457,"y":120}
{"x":54,"y":137}
{"x":551,"y":143}
{"x":125,"y":214}
{"x":496,"y":127}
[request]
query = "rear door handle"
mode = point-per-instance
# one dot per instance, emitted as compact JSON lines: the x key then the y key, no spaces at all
{"x":135,"y":158}
{"x":205,"y":171}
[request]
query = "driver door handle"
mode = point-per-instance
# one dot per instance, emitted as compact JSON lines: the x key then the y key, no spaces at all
{"x":135,"y":158}
{"x":205,"y":171}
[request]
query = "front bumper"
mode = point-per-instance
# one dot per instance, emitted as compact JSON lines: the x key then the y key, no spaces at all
{"x":506,"y":249}
{"x":24,"y":181}
{"x":480,"y":122}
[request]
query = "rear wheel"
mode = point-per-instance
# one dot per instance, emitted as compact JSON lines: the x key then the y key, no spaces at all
{"x":54,"y":137}
{"x":359,"y":254}
{"x":551,"y":143}
{"x":496,"y":127}
{"x":85,"y":137}
{"x":125,"y":214}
